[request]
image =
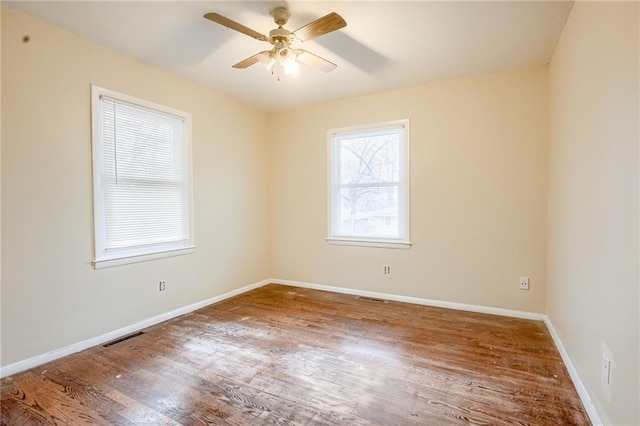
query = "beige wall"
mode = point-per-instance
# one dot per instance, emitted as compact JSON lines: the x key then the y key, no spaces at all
{"x":51,"y":295}
{"x":478,"y":193}
{"x":593,"y":201}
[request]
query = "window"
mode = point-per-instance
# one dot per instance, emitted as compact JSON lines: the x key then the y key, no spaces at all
{"x":141,"y":179}
{"x":369,"y":185}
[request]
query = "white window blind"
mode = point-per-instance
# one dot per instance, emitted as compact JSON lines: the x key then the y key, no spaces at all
{"x":142,"y":183}
{"x":369,"y":185}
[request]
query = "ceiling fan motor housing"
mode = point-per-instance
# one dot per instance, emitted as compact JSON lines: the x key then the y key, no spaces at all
{"x":280,"y":34}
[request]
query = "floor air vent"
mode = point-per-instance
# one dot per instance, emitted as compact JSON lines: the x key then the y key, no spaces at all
{"x":373,"y":299}
{"x":122,"y":339}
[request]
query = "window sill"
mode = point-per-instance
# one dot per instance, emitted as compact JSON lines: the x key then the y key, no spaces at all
{"x":406,"y":245}
{"x":126,"y":260}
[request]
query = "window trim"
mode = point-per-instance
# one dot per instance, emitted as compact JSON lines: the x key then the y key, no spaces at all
{"x":101,"y":258}
{"x":404,"y":189}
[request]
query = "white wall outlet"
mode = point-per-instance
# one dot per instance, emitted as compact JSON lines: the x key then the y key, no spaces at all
{"x":387,"y":270}
{"x":162,"y":286}
{"x":606,"y":370}
{"x":524,"y":283}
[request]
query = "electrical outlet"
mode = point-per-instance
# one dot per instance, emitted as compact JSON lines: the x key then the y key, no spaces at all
{"x":606,"y":370}
{"x":387,"y":270}
{"x":162,"y":286}
{"x":524,"y":283}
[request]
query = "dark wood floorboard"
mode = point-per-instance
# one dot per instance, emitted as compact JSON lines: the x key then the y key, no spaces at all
{"x":291,"y":356}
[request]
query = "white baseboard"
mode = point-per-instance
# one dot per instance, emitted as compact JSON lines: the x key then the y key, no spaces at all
{"x":416,"y":300}
{"x":106,"y":337}
{"x":575,"y":377}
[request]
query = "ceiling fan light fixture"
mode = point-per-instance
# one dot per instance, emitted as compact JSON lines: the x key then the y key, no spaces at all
{"x":267,"y":60}
{"x":291,"y":66}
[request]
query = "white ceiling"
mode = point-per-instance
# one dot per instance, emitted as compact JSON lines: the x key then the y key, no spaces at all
{"x":386,"y":45}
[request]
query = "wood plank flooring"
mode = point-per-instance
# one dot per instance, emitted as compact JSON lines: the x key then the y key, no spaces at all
{"x":291,"y":356}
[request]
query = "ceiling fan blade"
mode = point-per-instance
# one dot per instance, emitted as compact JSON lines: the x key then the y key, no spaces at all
{"x":321,"y":26}
{"x":219,"y":19}
{"x":246,"y":63}
{"x":315,"y":61}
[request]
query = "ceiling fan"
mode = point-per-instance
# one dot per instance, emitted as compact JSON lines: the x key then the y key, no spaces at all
{"x":284,"y":53}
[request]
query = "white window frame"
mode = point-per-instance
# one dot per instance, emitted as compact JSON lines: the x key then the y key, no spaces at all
{"x":106,"y":258}
{"x":333,"y":138}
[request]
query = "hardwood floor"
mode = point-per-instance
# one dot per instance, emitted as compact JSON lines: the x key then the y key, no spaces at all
{"x":286,"y":355}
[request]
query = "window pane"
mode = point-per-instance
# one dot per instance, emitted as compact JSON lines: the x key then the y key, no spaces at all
{"x":369,"y":211}
{"x":141,"y":145}
{"x":139,"y":215}
{"x":370,"y":159}
{"x":144,"y":177}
